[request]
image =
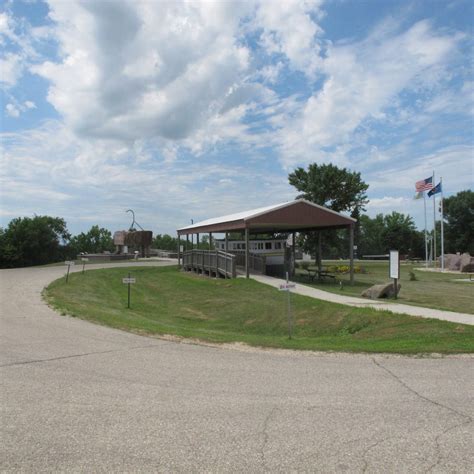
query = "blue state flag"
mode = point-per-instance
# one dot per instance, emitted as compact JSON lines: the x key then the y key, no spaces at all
{"x":437,"y":189}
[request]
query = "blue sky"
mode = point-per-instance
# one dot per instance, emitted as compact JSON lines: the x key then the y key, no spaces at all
{"x":190,"y":110}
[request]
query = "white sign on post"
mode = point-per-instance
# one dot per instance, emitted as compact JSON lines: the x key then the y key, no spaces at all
{"x":84,"y":259}
{"x":67,"y":262}
{"x":286,"y":286}
{"x":128,"y":280}
{"x":394,"y":264}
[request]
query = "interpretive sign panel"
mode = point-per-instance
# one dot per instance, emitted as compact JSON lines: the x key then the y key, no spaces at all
{"x":394,"y":264}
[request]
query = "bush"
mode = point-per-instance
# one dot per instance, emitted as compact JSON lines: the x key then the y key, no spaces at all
{"x":412,"y":276}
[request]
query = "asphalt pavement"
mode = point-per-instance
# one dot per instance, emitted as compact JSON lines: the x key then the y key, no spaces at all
{"x":76,"y":396}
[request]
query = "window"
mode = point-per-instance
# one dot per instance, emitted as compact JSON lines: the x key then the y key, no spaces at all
{"x":277,"y":245}
{"x":260,"y":245}
{"x":268,"y":245}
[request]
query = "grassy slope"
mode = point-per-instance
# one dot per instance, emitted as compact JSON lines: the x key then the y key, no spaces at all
{"x":433,"y":290}
{"x":165,"y":301}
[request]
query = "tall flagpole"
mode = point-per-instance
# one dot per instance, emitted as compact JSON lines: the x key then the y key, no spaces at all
{"x":426,"y":237}
{"x":442,"y":225}
{"x":434,"y":224}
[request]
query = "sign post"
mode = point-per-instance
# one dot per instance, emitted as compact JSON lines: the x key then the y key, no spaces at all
{"x":128,"y":281}
{"x":395,"y":270}
{"x":84,"y":260}
{"x":286,"y":287}
{"x":69,"y":265}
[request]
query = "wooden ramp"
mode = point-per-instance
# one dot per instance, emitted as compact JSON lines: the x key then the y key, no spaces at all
{"x":221,"y":264}
{"x":212,"y":262}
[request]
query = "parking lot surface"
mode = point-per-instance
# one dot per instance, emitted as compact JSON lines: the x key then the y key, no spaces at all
{"x":76,"y":396}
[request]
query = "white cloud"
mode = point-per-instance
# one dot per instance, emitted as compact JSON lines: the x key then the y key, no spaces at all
{"x":12,"y":111}
{"x":146,"y":70}
{"x":363,"y":80}
{"x":15,"y":109}
{"x":49,"y":170}
{"x":11,"y":69}
{"x":288,"y":29}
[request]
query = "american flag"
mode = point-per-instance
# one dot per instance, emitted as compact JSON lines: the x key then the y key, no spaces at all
{"x":424,"y":184}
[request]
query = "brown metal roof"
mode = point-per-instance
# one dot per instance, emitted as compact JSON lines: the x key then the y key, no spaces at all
{"x":296,"y":215}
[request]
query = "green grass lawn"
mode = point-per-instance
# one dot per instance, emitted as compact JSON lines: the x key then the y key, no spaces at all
{"x":166,"y":301}
{"x":433,"y":290}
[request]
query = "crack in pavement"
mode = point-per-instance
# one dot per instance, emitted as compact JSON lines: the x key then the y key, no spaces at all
{"x":72,"y":356}
{"x":368,"y":449}
{"x":467,"y":418}
{"x":265,"y":436}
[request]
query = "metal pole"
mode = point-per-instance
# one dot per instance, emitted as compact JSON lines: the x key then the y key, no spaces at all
{"x":67,"y":274}
{"x":426,"y":237}
{"x":289,"y":309}
{"x":128,"y":306}
{"x":434,"y":224}
{"x":442,"y":225}
{"x":83,"y":267}
{"x":351,"y":253}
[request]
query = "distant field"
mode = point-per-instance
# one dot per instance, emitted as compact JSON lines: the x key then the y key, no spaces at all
{"x":433,"y":290}
{"x":167,"y":301}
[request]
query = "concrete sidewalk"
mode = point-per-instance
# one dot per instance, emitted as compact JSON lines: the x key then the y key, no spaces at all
{"x":376,"y":304}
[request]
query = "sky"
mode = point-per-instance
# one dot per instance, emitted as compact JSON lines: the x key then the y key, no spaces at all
{"x":191,"y":110}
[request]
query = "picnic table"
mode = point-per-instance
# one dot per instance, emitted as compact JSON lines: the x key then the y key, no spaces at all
{"x":320,"y":274}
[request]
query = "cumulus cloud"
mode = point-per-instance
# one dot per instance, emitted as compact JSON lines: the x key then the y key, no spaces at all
{"x":15,"y":109}
{"x":133,"y":70}
{"x":288,"y":29}
{"x":362,"y":81}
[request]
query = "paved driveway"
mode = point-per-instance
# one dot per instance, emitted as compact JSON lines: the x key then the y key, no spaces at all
{"x":77,"y":396}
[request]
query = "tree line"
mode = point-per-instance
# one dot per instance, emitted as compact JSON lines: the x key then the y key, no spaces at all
{"x":41,"y":240}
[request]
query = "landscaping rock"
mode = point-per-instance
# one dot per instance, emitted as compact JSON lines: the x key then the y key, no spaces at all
{"x":452,"y":261}
{"x":467,"y":263}
{"x":385,"y":290}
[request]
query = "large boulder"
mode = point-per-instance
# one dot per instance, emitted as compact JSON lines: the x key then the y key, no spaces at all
{"x":452,"y":261}
{"x":467,"y":263}
{"x":386,"y":290}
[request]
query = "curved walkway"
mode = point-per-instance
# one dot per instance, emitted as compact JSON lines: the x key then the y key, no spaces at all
{"x":420,"y":311}
{"x":76,"y":396}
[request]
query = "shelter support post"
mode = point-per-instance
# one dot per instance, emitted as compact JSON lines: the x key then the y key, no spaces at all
{"x":351,"y":253}
{"x":293,"y":253}
{"x":320,"y":251}
{"x":187,"y":242}
{"x":197,"y":241}
{"x":247,"y":256}
{"x":179,"y":251}
{"x":226,"y":251}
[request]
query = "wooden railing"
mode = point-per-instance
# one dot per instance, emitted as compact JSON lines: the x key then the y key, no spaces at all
{"x":210,"y":261}
{"x":256,"y":262}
